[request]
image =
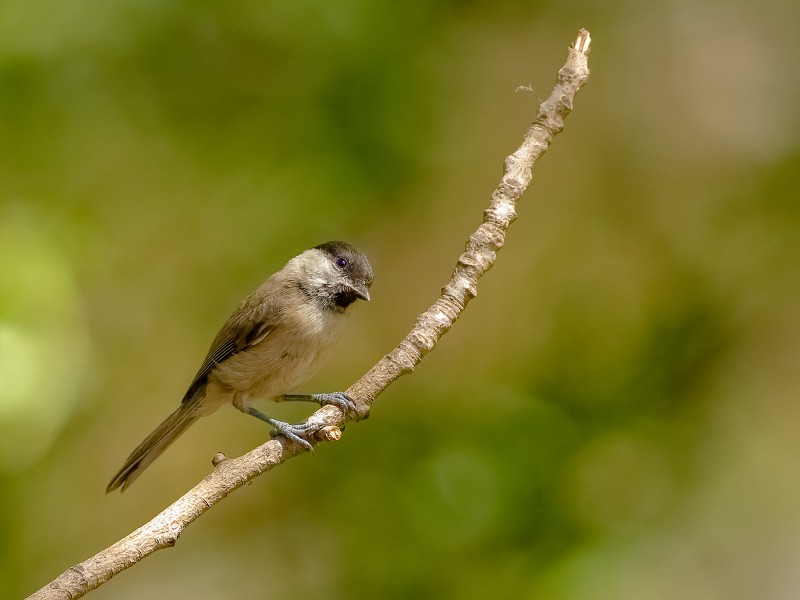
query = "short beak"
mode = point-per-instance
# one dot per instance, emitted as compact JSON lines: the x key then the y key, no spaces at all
{"x":360,"y":290}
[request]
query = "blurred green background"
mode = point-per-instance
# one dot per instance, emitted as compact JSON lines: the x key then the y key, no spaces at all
{"x":616,"y":416}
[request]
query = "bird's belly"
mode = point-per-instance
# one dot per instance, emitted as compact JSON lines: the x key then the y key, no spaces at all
{"x":279,"y":363}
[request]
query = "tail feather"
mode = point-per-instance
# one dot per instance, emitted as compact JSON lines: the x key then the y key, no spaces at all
{"x":154,"y":445}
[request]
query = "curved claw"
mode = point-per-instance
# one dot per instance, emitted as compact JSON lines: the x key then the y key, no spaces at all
{"x":293,"y":432}
{"x":338,"y":399}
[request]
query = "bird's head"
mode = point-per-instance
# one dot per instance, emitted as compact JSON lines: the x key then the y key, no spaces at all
{"x":337,"y":274}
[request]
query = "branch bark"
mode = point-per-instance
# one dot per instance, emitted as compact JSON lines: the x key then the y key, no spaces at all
{"x":479,"y":256}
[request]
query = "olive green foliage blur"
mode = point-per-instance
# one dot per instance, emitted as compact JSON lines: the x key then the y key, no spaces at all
{"x":616,"y":414}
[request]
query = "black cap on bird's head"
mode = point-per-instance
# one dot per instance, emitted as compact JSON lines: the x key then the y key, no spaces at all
{"x":351,"y":274}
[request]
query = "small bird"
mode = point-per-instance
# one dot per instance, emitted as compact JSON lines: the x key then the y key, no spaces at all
{"x":274,"y":341}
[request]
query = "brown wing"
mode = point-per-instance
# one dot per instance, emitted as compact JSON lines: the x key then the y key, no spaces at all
{"x":246,"y":327}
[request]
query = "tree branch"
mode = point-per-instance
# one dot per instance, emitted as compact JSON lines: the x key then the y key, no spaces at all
{"x":480,"y":254}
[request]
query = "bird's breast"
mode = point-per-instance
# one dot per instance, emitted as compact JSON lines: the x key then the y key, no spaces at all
{"x":287,"y":357}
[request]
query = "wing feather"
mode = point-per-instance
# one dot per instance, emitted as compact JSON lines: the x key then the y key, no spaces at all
{"x":245,"y":328}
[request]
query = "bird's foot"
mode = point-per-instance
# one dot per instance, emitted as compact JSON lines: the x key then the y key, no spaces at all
{"x":338,"y":399}
{"x":296,"y":433}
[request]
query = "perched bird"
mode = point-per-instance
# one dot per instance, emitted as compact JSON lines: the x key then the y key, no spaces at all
{"x":274,"y":341}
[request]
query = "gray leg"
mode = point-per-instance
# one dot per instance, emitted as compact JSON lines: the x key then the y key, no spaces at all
{"x":295,"y":433}
{"x":338,"y":399}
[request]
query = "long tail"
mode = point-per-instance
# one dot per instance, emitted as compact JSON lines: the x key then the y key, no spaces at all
{"x":154,"y":445}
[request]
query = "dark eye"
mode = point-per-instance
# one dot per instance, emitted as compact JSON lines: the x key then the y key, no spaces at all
{"x":342,"y":262}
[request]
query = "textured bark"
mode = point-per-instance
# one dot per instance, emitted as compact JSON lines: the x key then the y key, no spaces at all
{"x":479,"y":256}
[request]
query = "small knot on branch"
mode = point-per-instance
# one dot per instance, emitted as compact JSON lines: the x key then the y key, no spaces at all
{"x":167,"y":540}
{"x":78,"y":570}
{"x":329,"y":433}
{"x":218,"y":459}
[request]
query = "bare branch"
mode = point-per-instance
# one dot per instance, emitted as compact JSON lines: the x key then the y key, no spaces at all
{"x":480,"y":254}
